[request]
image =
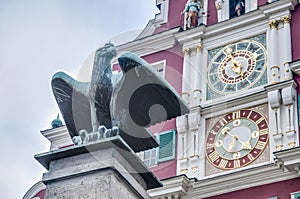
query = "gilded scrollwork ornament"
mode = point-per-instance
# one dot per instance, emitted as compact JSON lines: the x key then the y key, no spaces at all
{"x":286,"y":19}
{"x":273,"y":24}
{"x":186,"y":51}
{"x":199,"y":47}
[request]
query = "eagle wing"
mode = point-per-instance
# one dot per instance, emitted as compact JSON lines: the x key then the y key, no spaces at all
{"x":71,"y":98}
{"x":142,"y":98}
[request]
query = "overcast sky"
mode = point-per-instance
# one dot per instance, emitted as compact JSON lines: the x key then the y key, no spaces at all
{"x":37,"y":39}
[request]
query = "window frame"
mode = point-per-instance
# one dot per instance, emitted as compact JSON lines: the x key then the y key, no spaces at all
{"x":295,"y":195}
{"x":160,"y":65}
{"x":171,"y":157}
{"x":155,"y":160}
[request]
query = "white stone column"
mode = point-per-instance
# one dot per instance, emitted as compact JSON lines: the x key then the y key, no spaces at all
{"x":287,"y":46}
{"x":197,"y":76}
{"x":273,"y":58}
{"x":185,"y":75}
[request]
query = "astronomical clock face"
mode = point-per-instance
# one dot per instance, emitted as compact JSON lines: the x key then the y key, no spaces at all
{"x":237,"y":139}
{"x":237,"y":67}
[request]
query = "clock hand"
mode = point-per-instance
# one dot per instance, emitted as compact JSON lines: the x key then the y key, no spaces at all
{"x":245,"y":145}
{"x":236,"y":66}
{"x":231,"y":145}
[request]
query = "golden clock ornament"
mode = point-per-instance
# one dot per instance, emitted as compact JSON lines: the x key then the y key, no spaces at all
{"x":237,"y":67}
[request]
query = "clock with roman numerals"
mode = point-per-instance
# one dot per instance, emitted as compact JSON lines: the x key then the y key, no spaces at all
{"x":237,"y":139}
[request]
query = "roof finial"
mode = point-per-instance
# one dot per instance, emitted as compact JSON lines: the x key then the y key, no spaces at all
{"x":56,"y":122}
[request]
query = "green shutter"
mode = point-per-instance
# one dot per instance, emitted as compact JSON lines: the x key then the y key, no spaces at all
{"x":297,"y":195}
{"x":166,"y":149}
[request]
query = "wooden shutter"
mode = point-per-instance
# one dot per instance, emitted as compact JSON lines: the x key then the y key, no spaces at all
{"x":166,"y":149}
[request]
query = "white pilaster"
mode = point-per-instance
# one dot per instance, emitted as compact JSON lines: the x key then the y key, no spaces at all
{"x":287,"y":46}
{"x":186,"y":92}
{"x":273,"y":49}
{"x":197,"y":77}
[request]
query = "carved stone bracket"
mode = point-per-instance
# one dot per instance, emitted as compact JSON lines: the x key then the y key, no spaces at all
{"x":288,"y":160}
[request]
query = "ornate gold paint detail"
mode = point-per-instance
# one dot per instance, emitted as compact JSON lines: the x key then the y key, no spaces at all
{"x":198,"y":90}
{"x":218,"y":4}
{"x":279,"y":147}
{"x":184,"y":171}
{"x":292,"y":144}
{"x":286,"y":19}
{"x":275,"y":67}
{"x":185,"y":93}
{"x":194,"y":156}
{"x":183,"y":158}
{"x":186,"y":51}
{"x":273,"y":24}
{"x":195,"y":169}
{"x":199,"y":47}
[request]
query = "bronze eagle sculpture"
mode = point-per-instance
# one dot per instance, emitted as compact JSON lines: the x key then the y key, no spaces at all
{"x":124,"y":103}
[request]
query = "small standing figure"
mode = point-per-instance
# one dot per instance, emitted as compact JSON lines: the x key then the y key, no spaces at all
{"x":192,"y":9}
{"x":239,"y":7}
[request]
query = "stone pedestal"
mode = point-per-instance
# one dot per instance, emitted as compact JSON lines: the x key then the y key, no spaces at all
{"x":103,"y":169}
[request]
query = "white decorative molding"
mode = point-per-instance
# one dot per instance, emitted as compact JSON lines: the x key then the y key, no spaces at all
{"x":160,"y":18}
{"x":59,"y":137}
{"x":232,"y":102}
{"x":175,"y":187}
{"x":288,"y":95}
{"x":288,"y":160}
{"x":274,"y":99}
{"x":35,"y":189}
{"x":152,"y":44}
{"x":182,"y":124}
{"x":278,"y":6}
{"x":194,"y":119}
{"x":295,"y":66}
{"x":221,"y":184}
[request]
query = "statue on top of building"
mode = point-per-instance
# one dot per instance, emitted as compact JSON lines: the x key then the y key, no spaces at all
{"x":191,"y":10}
{"x":239,"y":7}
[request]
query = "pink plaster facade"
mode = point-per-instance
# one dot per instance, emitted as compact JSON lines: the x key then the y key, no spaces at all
{"x":212,"y":12}
{"x":165,"y":169}
{"x":173,"y":74}
{"x":175,"y":18}
{"x":174,"y":62}
{"x":262,"y":2}
{"x":282,"y":190}
{"x":295,"y":28}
